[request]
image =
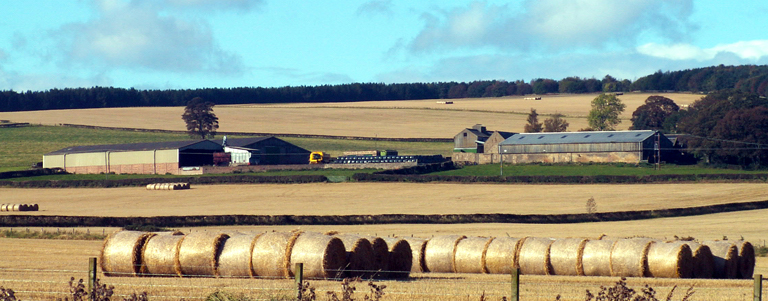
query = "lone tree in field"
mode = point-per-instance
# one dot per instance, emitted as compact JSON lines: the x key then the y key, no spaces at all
{"x":533,"y":126}
{"x":201,"y":122}
{"x":556,"y":123}
{"x":605,"y":112}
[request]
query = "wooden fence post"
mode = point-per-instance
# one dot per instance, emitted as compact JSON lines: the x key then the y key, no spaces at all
{"x":758,"y":287}
{"x":92,"y":264}
{"x":299,"y":275}
{"x":515,"y":285}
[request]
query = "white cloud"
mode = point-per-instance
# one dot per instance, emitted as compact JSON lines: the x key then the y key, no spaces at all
{"x":747,"y":50}
{"x":553,"y":24}
{"x":135,"y":36}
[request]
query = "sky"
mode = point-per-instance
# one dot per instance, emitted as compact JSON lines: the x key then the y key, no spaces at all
{"x":188,"y":44}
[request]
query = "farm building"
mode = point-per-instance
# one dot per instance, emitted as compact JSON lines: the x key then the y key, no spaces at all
{"x":172,"y":157}
{"x":608,"y":146}
{"x":264,"y":151}
{"x":478,"y":140}
{"x":135,"y":158}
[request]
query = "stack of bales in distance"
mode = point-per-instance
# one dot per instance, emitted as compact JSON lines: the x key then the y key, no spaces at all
{"x":167,"y":186}
{"x":19,"y":207}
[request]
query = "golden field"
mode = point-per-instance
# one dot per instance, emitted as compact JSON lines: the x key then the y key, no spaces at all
{"x":391,"y":119}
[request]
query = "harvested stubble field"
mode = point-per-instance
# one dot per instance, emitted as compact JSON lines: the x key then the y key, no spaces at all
{"x":392,"y":119}
{"x":378,"y":198}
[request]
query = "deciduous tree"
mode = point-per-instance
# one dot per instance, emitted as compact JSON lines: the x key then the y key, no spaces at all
{"x":653,"y":114}
{"x":200,"y":119}
{"x":556,"y":123}
{"x":605,"y":112}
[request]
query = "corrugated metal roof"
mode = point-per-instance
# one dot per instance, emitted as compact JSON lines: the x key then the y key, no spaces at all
{"x":578,"y":137}
{"x":128,"y":147}
{"x":243,"y":142}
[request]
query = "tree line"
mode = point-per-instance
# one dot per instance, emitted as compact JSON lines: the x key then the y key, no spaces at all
{"x":747,"y":78}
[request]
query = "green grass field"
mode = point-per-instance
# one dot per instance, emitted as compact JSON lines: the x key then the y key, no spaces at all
{"x":587,"y":170}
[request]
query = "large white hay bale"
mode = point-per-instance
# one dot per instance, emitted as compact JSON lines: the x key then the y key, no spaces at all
{"x":121,"y":253}
{"x":565,"y":256}
{"x":670,"y":260}
{"x":271,"y":254}
{"x":470,"y":255}
{"x":596,"y":257}
{"x":400,"y":258}
{"x":235,"y":259}
{"x":418,"y":247}
{"x":629,"y":257}
{"x":726,"y":256}
{"x":199,"y":253}
{"x":160,"y":254}
{"x":533,"y":256}
{"x":323,"y":256}
{"x":439,"y":253}
{"x":500,"y":257}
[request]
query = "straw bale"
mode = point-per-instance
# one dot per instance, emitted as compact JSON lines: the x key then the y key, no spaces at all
{"x":359,"y":256}
{"x":596,"y":257}
{"x":533,"y":256}
{"x":380,"y":256}
{"x":323,"y":256}
{"x":199,"y":253}
{"x":160,"y":255}
{"x":150,"y":186}
{"x":400,"y":258}
{"x":565,"y":256}
{"x":629,"y":257}
{"x":439,"y":253}
{"x":235,"y":259}
{"x":418,"y":246}
{"x":670,"y":260}
{"x":726,"y":256}
{"x":35,"y":207}
{"x":746,"y":259}
{"x":121,"y":253}
{"x":16,"y":207}
{"x":470,"y":255}
{"x":500,"y":255}
{"x":3,"y":207}
{"x":269,"y":253}
{"x":703,"y":260}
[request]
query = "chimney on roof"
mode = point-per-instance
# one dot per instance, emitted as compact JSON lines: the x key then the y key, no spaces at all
{"x":479,"y":127}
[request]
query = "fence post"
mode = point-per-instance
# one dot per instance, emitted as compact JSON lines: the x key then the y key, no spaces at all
{"x":92,"y":263}
{"x":515,"y":285}
{"x":299,"y":275}
{"x":758,"y":287}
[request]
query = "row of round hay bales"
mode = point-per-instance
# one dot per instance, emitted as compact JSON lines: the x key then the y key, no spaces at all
{"x":628,"y":257}
{"x":236,"y":254}
{"x":167,"y":186}
{"x":19,"y":207}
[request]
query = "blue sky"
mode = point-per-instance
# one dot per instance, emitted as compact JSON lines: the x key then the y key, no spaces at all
{"x":176,"y":44}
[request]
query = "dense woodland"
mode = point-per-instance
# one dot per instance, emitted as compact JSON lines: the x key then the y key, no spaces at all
{"x":747,"y":78}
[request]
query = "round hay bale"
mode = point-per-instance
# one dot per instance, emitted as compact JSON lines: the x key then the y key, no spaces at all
{"x":121,"y":253}
{"x":160,"y":254}
{"x":418,"y":246}
{"x":235,"y":259}
{"x":269,"y":254}
{"x":199,"y":253}
{"x":359,"y":256}
{"x":500,"y":255}
{"x":400,"y":258}
{"x":380,"y":257}
{"x":670,"y":260}
{"x":746,"y":259}
{"x":470,"y":255}
{"x":150,"y":186}
{"x":565,"y":256}
{"x":439,"y":253}
{"x":703,"y":260}
{"x":35,"y":207}
{"x":726,"y":256}
{"x":323,"y":256}
{"x":596,"y":257}
{"x":24,"y":207}
{"x":16,"y":207}
{"x":3,"y":207}
{"x":629,"y":257}
{"x":533,"y":256}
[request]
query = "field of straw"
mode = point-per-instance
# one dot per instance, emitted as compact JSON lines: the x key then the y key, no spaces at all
{"x":394,"y":119}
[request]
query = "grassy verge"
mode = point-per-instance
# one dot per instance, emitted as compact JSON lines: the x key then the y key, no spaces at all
{"x":587,"y":170}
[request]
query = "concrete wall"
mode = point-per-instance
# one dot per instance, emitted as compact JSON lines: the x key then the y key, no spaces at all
{"x":138,"y":162}
{"x":607,"y":157}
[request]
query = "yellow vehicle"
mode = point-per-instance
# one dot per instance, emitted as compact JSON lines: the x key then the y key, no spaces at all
{"x":319,"y":157}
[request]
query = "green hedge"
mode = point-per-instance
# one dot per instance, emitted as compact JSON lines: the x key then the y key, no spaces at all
{"x":222,"y":220}
{"x":232,"y":179}
{"x":31,"y":173}
{"x":600,"y":179}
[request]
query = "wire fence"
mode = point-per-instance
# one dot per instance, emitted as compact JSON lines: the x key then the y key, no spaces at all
{"x":40,"y":283}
